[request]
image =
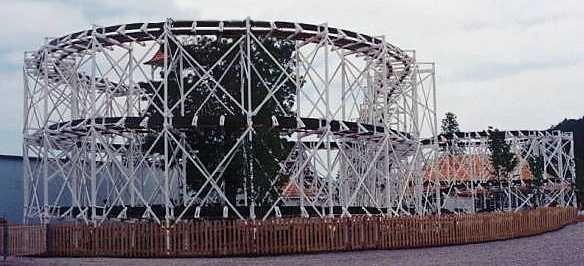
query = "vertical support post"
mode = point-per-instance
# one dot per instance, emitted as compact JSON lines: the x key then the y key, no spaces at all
{"x":244,"y":70}
{"x":185,"y":197}
{"x":510,"y":178}
{"x":385,"y":85}
{"x":130,"y":92}
{"x":249,"y":117}
{"x":25,"y":161}
{"x":344,"y":101}
{"x":474,"y":174}
{"x":92,"y":132}
{"x":131,"y":170}
{"x":574,"y":202}
{"x":166,"y":124}
{"x":328,"y":118}
{"x":435,"y":146}
{"x":45,"y":166}
{"x":561,"y":173}
{"x":130,"y":140}
{"x":418,"y":182}
{"x":299,"y":156}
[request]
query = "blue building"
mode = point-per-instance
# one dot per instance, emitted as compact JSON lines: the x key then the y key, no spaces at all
{"x":11,"y":189}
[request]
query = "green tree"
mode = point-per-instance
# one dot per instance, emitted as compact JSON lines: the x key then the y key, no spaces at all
{"x":536,"y":166}
{"x":450,"y":124}
{"x":502,"y":159}
{"x":259,"y":156}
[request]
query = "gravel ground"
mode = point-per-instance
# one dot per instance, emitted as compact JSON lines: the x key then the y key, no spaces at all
{"x":563,"y":247}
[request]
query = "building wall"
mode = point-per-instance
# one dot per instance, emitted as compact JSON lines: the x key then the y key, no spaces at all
{"x":11,"y":189}
{"x":11,"y":196}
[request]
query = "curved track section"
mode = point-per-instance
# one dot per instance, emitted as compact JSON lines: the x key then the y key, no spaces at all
{"x":140,"y":32}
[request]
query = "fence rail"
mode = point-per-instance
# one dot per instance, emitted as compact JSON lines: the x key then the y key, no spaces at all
{"x":277,"y":236}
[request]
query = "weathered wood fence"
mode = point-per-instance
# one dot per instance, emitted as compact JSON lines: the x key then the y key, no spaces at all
{"x":277,"y":236}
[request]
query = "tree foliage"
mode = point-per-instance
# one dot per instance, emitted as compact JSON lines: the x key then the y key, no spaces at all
{"x":536,"y":168}
{"x":256,"y":157}
{"x":503,"y":160}
{"x":450,"y":124}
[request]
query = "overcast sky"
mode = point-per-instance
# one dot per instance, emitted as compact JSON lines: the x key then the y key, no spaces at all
{"x":509,"y":64}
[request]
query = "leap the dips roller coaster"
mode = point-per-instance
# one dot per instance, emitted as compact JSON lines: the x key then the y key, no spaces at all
{"x":180,"y":120}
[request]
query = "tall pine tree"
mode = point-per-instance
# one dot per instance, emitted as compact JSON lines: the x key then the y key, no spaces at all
{"x":503,"y":160}
{"x":450,"y":124}
{"x":450,"y":127}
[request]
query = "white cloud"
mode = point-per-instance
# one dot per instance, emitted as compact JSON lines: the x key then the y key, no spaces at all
{"x":511,"y":64}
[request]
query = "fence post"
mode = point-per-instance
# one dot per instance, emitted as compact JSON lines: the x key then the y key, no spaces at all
{"x":47,"y":240}
{"x":4,"y":240}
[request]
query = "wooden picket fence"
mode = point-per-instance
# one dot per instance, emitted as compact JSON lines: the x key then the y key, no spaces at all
{"x":22,"y":240}
{"x":277,"y":236}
